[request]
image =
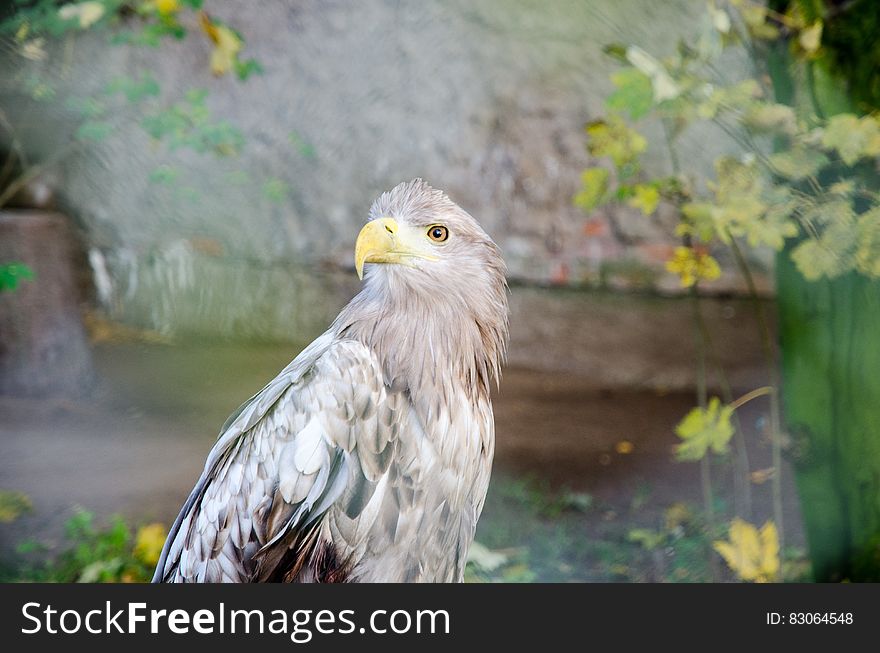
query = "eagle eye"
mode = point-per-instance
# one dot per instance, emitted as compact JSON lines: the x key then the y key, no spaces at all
{"x":438,"y":233}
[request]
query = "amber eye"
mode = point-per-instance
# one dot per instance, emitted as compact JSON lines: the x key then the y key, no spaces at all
{"x":438,"y":233}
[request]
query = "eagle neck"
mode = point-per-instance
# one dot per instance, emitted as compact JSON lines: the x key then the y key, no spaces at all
{"x":431,"y":347}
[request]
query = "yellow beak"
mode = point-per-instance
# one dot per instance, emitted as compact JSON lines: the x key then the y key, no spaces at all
{"x":383,"y":241}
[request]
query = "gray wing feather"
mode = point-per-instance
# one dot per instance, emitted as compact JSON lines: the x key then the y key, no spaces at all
{"x":318,"y":435}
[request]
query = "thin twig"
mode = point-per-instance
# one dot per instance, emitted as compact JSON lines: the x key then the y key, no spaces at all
{"x":34,"y":171}
{"x":770,"y":359}
{"x":741,"y":480}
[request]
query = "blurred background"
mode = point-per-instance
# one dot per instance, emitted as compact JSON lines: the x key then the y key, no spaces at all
{"x":685,"y":194}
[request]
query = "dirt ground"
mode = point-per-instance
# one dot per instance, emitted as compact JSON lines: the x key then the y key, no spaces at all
{"x":577,"y":467}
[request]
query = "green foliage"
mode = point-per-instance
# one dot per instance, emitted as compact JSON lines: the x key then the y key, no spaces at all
{"x":810,"y":189}
{"x":36,"y":25}
{"x":850,"y":49}
{"x":94,"y":130}
{"x":189,"y":124}
{"x":86,"y":107}
{"x":244,"y":69}
{"x":305,"y":149}
{"x":275,"y":190}
{"x":38,"y":87}
{"x":853,"y":138}
{"x":164,"y":174}
{"x":134,"y":90}
{"x":530,"y":532}
{"x":634,"y":94}
{"x":92,"y":554}
{"x":12,"y":274}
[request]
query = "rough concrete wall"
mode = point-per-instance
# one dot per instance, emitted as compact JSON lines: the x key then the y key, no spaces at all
{"x":484,"y":99}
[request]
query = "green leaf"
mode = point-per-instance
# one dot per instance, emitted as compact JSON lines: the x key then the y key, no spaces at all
{"x":843,"y":188}
{"x":645,"y":198}
{"x":238,"y":177}
{"x":12,"y":274}
{"x":738,"y":197}
{"x":834,"y":251}
{"x":134,"y":90}
{"x":768,"y":117}
{"x":305,"y":149}
{"x":275,"y":190}
{"x":188,"y":124}
{"x":94,"y":130}
{"x":736,"y":97}
{"x":594,"y":188}
{"x":704,"y":430}
{"x":867,"y":256}
{"x":837,"y":210}
{"x":616,"y":51}
{"x":815,"y":261}
{"x":86,"y":107}
{"x":776,"y":225}
{"x":663,"y":85}
{"x":633,"y":95}
{"x":164,"y":174}
{"x":244,"y":69}
{"x":699,"y":221}
{"x":196,"y":95}
{"x":798,"y":162}
{"x":852,"y":137}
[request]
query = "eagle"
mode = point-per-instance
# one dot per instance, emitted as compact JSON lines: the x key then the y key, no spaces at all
{"x":367,"y":459}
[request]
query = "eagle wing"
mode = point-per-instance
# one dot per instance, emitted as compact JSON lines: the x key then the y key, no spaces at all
{"x":320,"y":434}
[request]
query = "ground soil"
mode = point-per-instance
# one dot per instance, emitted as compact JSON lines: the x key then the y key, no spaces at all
{"x":136,"y":445}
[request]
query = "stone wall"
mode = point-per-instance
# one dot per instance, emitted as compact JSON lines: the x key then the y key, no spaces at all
{"x":486,"y":100}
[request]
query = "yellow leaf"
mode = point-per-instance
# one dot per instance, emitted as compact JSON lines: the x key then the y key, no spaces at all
{"x":761,"y":476}
{"x":752,"y":555}
{"x":704,"y":429}
{"x":678,"y":514}
{"x":624,"y":447}
{"x":720,"y":19}
{"x":692,"y":266}
{"x":810,"y":38}
{"x":167,"y":7}
{"x":594,"y":188}
{"x":227,"y":45}
{"x":615,"y":139}
{"x":769,"y":564}
{"x":645,"y":198}
{"x":148,"y":543}
{"x":34,"y":50}
{"x":13,"y":505}
{"x":22,"y":32}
